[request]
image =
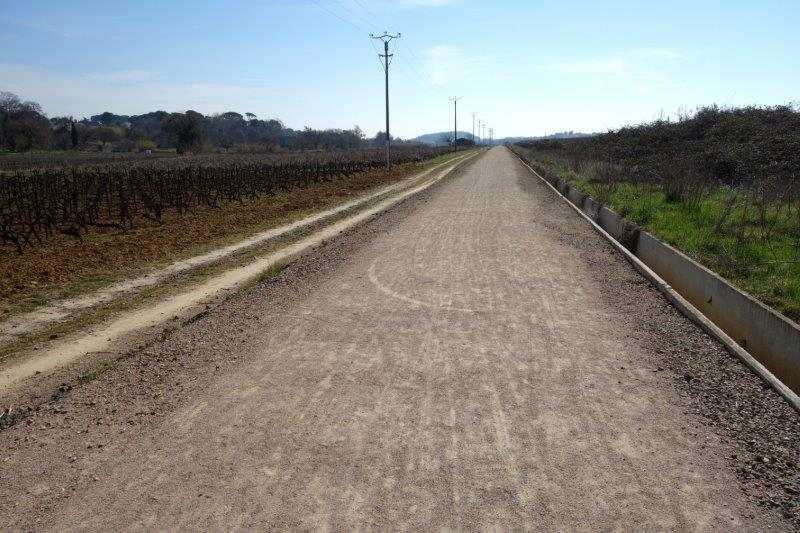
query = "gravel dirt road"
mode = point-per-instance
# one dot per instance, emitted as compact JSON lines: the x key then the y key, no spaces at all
{"x":476,"y":357}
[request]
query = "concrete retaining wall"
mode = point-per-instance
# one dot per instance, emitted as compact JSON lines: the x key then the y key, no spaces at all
{"x":591,"y":208}
{"x":575,"y":196}
{"x":771,"y":338}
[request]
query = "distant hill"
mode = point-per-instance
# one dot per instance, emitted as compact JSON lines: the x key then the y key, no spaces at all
{"x":557,"y":135}
{"x":438,"y":139}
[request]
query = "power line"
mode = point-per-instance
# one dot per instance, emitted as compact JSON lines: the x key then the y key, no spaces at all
{"x":378,"y":57}
{"x":408,"y":62}
{"x":365,"y":8}
{"x":333,"y":13}
{"x":358,"y":17}
{"x":420,"y":74}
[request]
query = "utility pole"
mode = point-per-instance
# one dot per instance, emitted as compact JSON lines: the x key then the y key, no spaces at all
{"x":455,"y":100}
{"x":480,"y":139}
{"x":473,"y":128}
{"x":386,"y":38}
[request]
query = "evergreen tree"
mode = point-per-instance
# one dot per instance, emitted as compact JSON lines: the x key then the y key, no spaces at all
{"x":73,"y":133}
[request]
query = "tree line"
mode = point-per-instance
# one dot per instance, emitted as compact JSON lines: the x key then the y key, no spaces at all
{"x":24,"y":127}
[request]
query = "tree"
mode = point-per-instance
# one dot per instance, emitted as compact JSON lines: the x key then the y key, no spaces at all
{"x":23,"y":125}
{"x":110,"y":119}
{"x":226,"y":129}
{"x":151,"y":126}
{"x":465,"y":142}
{"x":60,"y":133}
{"x":144,"y":144}
{"x":186,"y":128}
{"x":380,"y":139}
{"x":105,"y":135}
{"x":73,"y":133}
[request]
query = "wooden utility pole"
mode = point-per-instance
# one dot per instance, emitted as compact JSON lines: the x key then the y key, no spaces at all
{"x":455,"y":100}
{"x":473,"y":128}
{"x":386,"y":38}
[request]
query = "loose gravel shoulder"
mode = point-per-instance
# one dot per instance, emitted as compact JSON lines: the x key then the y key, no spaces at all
{"x":476,"y":357}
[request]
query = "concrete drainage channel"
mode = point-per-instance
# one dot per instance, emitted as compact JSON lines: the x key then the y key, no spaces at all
{"x":768,"y":342}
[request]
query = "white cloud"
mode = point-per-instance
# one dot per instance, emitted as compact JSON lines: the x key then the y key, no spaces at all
{"x":594,"y":66}
{"x":446,"y":64}
{"x":627,"y":63}
{"x":41,"y":26}
{"x":656,"y":53}
{"x":121,"y":76}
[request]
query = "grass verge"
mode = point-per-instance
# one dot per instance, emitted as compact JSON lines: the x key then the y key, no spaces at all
{"x":756,"y":248}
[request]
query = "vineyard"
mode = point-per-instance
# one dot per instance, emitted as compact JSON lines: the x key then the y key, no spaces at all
{"x":16,"y":161}
{"x":73,"y":199}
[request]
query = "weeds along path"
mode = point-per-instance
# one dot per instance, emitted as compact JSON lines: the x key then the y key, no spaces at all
{"x":24,"y":324}
{"x":475,"y":358}
{"x":104,"y":337}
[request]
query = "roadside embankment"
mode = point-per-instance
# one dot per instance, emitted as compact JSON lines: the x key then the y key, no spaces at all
{"x":765,"y":339}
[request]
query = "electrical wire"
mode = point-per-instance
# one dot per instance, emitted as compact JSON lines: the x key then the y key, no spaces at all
{"x":333,"y":13}
{"x":365,"y":8}
{"x":408,"y":61}
{"x":358,"y":17}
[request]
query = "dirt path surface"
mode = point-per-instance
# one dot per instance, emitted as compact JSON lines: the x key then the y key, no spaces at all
{"x":477,"y":357}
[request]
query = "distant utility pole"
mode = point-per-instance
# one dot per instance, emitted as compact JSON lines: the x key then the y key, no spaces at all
{"x":479,"y":132}
{"x":491,"y":136}
{"x":483,"y":131}
{"x":386,"y":38}
{"x":473,"y":128}
{"x":455,"y":100}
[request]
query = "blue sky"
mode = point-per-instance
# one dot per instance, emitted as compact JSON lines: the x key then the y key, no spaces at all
{"x":525,"y":67}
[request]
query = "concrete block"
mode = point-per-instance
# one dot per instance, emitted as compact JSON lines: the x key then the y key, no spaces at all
{"x":771,"y":338}
{"x":621,"y":229}
{"x":576,"y":197}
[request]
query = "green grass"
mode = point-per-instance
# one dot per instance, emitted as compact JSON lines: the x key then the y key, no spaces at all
{"x":97,"y":372}
{"x":762,"y":259}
